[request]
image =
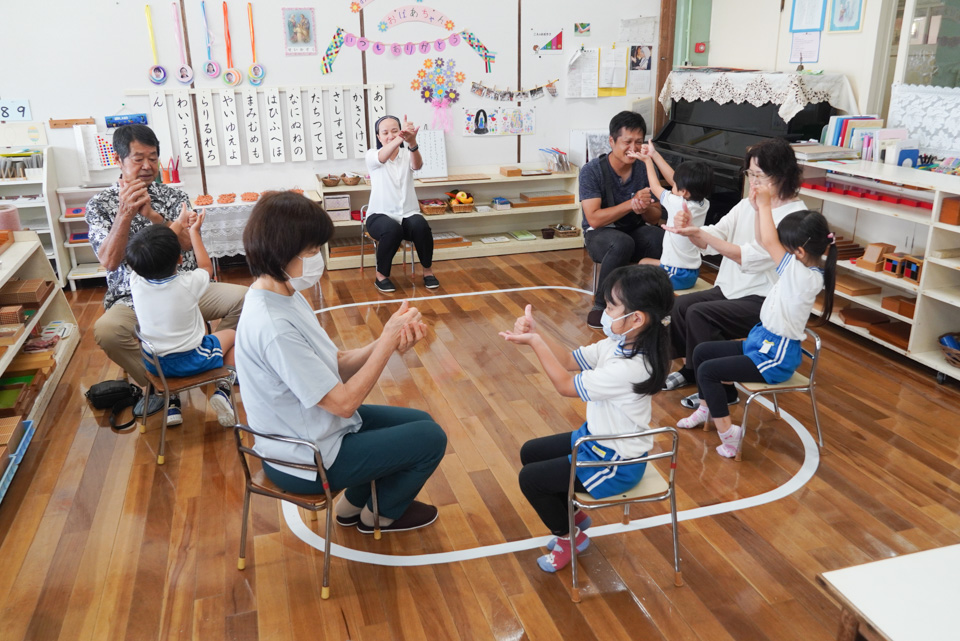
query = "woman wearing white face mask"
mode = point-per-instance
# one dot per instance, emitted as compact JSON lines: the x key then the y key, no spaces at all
{"x":298,"y":384}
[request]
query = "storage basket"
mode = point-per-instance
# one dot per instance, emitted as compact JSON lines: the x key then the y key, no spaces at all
{"x":566,"y":233}
{"x":461,"y":208}
{"x":330,"y":181}
{"x":501,"y":205}
{"x":952,"y":355}
{"x":350,"y":180}
{"x":432,"y":209}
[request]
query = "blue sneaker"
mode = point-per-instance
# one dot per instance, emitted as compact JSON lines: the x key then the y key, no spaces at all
{"x":174,"y":417}
{"x":155,"y":405}
{"x":220,"y":401}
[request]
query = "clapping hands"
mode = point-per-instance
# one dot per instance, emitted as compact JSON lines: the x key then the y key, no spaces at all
{"x":404,"y":328}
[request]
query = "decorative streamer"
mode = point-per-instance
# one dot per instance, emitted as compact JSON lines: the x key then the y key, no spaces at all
{"x":341,"y":38}
{"x":332,"y":50}
{"x":508,"y":95}
{"x":413,"y":13}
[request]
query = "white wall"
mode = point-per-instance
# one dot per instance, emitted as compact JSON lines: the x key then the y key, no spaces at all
{"x":764,"y":43}
{"x":90,"y":53}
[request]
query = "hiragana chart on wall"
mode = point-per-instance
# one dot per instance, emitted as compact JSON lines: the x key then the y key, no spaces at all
{"x":318,"y":134}
{"x":229,"y":128}
{"x":251,"y":123}
{"x":298,"y":150}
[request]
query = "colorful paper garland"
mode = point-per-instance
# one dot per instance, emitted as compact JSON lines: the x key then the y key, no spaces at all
{"x":341,"y":38}
{"x":506,"y":95}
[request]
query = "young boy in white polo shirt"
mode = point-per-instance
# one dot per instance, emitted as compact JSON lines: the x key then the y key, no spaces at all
{"x":168,"y":307}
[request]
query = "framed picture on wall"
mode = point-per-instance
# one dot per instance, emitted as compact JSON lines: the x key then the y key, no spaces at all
{"x":299,"y":32}
{"x":846,"y":15}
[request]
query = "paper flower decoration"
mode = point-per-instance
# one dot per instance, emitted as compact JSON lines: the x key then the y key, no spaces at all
{"x":437,"y":82}
{"x":355,"y":7}
{"x":448,"y":25}
{"x":382,"y":26}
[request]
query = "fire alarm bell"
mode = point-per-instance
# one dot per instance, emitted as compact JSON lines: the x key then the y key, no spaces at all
{"x":700,"y":47}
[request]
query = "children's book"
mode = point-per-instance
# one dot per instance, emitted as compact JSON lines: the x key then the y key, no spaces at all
{"x":522,"y":234}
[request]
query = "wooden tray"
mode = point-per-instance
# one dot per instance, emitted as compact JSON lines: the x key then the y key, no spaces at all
{"x":859,"y":317}
{"x":454,"y":178}
{"x":894,"y":332}
{"x":852,"y":286}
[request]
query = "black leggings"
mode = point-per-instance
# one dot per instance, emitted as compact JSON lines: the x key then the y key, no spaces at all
{"x":719,"y":361}
{"x":545,"y":479}
{"x":389,"y":234}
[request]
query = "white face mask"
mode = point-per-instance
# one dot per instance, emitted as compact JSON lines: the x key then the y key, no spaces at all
{"x":312,"y":271}
{"x":607,"y":324}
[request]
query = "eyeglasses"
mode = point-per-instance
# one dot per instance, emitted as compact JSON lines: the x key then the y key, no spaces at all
{"x":752,"y":175}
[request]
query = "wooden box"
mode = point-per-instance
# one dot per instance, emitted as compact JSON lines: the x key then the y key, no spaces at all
{"x":911,"y":269}
{"x":11,"y":432}
{"x":11,"y":315}
{"x":908,"y":306}
{"x":9,"y":334}
{"x":860,"y":317}
{"x":895,"y":332}
{"x":510,"y":172}
{"x":4,"y":458}
{"x":872,"y":259}
{"x":950,"y":211}
{"x":852,"y":286}
{"x":893,"y":264}
{"x":891,"y":303}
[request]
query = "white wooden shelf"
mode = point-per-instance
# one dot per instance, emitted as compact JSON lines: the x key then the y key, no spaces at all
{"x":83,"y":271}
{"x":938,"y":293}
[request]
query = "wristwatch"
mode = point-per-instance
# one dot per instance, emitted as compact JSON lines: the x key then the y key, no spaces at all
{"x":414,"y":148}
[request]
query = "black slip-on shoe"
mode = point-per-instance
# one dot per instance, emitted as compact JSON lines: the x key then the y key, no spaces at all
{"x":418,"y":515}
{"x":385,"y":286}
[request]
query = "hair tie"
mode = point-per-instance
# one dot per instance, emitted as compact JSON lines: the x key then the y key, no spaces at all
{"x":832,"y":238}
{"x":665,"y":321}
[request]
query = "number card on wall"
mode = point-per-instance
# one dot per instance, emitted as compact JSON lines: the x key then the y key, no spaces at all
{"x":357,"y":114}
{"x":318,"y":134}
{"x":185,"y":135}
{"x":15,"y":110}
{"x":434,"y":154}
{"x":251,"y":119}
{"x":274,"y":125}
{"x":161,"y":125}
{"x":208,"y":128}
{"x":339,"y":123}
{"x":228,"y":127}
{"x":298,"y":149}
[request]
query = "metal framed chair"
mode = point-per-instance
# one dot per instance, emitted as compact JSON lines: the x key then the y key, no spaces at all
{"x":169,"y":386}
{"x":258,"y":483}
{"x":797,"y":383}
{"x":652,"y":487}
{"x":364,"y":236}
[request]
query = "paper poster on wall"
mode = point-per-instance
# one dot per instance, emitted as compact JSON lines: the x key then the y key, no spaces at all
{"x":613,"y":68}
{"x":161,"y":124}
{"x":251,"y":124}
{"x":357,"y":121}
{"x":11,"y":110}
{"x":845,"y":15}
{"x":807,"y":15}
{"x":274,"y":134}
{"x":637,"y":30}
{"x":638,"y":74}
{"x":583,"y":74}
{"x":338,"y":123}
{"x":805,"y":47}
{"x":433,"y":150}
{"x":377,"y":99}
{"x":498,"y":121}
{"x":318,"y":134}
{"x":581,"y":29}
{"x":547,"y":42}
{"x":186,"y":139}
{"x":229,"y":128}
{"x":208,"y":128}
{"x":299,"y":32}
{"x":298,"y":143}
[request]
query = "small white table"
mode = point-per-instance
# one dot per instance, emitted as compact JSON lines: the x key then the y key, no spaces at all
{"x":906,"y":598}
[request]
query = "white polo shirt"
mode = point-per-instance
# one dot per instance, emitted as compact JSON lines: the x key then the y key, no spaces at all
{"x":606,"y":384}
{"x":679,"y":251}
{"x":786,"y":310}
{"x":391,"y":186}
{"x":168,"y":310}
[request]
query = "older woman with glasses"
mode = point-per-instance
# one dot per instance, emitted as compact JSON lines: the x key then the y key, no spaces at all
{"x":732,"y":306}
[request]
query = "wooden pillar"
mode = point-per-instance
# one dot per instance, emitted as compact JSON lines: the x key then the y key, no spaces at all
{"x":668,"y":25}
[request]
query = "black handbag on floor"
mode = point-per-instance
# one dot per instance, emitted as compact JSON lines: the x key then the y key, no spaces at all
{"x":115,"y":396}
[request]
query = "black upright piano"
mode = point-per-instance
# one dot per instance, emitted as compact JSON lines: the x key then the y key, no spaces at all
{"x":720,"y":134}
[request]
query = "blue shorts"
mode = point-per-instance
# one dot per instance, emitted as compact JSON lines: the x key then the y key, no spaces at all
{"x":209,"y":355}
{"x":779,"y":361}
{"x":682,"y":278}
{"x":602,"y":482}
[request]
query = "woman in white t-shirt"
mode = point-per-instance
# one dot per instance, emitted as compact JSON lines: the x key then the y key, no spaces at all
{"x":393,"y":214}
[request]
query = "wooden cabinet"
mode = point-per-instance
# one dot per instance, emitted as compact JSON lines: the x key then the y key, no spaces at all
{"x":914,"y":229}
{"x":476,"y":225}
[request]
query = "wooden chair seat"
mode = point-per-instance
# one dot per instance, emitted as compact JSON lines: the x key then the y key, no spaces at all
{"x":187,"y":382}
{"x":797,"y":381}
{"x":261,"y":481}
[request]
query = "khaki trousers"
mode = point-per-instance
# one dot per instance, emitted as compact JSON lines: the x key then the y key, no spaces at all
{"x":114,"y":331}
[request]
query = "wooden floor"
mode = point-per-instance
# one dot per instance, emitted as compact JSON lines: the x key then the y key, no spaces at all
{"x":98,"y":542}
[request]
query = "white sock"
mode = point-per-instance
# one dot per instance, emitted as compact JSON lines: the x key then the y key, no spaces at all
{"x":366,"y":517}
{"x":699,"y":417}
{"x":345,"y":508}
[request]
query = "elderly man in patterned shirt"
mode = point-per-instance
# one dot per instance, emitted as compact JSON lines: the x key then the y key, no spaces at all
{"x":114,"y":216}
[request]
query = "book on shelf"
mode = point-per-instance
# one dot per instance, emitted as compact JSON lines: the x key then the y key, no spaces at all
{"x":494,"y":239}
{"x":522,"y":234}
{"x":824,"y":152}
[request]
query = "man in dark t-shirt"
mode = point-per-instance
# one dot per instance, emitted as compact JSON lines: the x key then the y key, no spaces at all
{"x":621,"y":221}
